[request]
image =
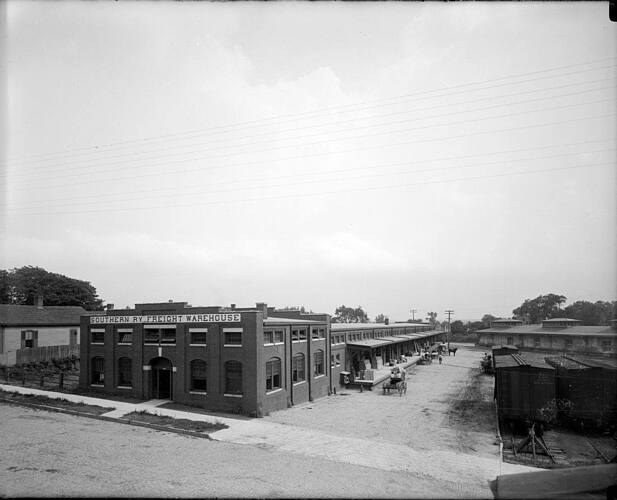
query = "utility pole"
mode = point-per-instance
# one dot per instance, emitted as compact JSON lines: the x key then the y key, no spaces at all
{"x":413,"y":314}
{"x":449,"y":312}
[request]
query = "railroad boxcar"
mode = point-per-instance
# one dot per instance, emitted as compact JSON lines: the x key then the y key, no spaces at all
{"x":586,"y":391}
{"x":500,"y":350}
{"x":524,"y":390}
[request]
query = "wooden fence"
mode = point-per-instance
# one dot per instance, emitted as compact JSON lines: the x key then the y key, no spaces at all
{"x":46,"y":353}
{"x":59,"y":381}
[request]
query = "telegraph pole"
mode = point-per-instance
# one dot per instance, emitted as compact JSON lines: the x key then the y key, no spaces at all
{"x":449,"y":312}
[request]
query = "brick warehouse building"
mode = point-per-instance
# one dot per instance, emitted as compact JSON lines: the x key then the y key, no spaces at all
{"x":249,"y":360}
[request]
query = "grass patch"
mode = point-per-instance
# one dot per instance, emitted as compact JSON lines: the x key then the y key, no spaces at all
{"x":175,"y":423}
{"x":104,"y":395}
{"x":202,"y":411}
{"x":35,"y":399}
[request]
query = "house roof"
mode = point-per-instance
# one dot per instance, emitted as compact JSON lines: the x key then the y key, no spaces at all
{"x":371,"y":326}
{"x":18,"y":315}
{"x":602,"y":331}
{"x":561,"y":320}
{"x":272,"y":320}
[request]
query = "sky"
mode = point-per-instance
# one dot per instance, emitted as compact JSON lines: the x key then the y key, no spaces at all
{"x":391,"y":155}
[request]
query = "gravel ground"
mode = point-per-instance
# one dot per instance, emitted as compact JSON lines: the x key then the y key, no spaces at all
{"x":436,"y":441}
{"x":447,"y":407}
{"x":52,"y":454}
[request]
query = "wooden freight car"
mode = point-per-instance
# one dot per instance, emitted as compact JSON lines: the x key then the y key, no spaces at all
{"x":586,"y":390}
{"x":524,"y":390}
{"x":500,"y":350}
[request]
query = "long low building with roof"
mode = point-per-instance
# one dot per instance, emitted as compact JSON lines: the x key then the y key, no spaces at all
{"x":557,"y":334}
{"x":360,"y":348}
{"x":248,"y":360}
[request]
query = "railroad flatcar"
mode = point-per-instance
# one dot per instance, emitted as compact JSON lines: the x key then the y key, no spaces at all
{"x":524,"y":390}
{"x":586,"y":390}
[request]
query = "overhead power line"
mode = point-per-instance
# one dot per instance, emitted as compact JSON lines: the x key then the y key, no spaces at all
{"x":293,"y":116}
{"x":368,"y":147}
{"x":321,"y":193}
{"x":138,"y":155}
{"x":104,"y":198}
{"x":167,"y":171}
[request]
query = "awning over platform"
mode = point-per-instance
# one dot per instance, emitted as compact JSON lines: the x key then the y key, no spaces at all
{"x":370,"y":343}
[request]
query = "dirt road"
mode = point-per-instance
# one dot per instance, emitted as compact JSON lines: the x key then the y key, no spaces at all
{"x":447,"y":407}
{"x":53,"y":454}
{"x":437,"y":441}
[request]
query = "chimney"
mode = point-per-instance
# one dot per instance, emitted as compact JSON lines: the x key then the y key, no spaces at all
{"x":262,"y":306}
{"x":233,"y":307}
{"x":109,"y":307}
{"x":387,"y":321}
{"x":38,"y":301}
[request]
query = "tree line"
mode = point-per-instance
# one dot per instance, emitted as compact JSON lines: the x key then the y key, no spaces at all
{"x":21,"y":286}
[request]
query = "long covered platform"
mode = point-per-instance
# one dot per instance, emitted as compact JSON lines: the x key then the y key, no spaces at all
{"x":373,"y":350}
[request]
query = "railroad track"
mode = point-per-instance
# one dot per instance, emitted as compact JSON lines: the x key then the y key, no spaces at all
{"x":604,"y":456}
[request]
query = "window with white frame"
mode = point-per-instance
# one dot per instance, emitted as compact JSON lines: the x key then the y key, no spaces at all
{"x":273,"y":374}
{"x":125,"y":335}
{"x":198,"y":336}
{"x":298,"y":368}
{"x":159,"y":334}
{"x":232,"y":336}
{"x":97,"y":335}
{"x":318,"y":333}
{"x":125,"y":378}
{"x":298,"y":335}
{"x":98,"y":371}
{"x":318,"y":363}
{"x":233,"y":377}
{"x":273,"y":337}
{"x":607,"y":345}
{"x":199,"y":375}
{"x":29,"y":339}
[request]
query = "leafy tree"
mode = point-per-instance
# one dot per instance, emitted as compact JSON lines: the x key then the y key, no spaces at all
{"x":541,"y":308}
{"x":4,"y":287}
{"x":590,"y":313}
{"x":432,"y":318}
{"x":301,"y":309}
{"x":487,"y":319}
{"x":345,"y":314}
{"x":380,"y":318}
{"x":22,"y":285}
{"x":458,"y":326}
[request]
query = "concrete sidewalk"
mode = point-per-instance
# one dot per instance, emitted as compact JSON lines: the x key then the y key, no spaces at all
{"x":470,"y":473}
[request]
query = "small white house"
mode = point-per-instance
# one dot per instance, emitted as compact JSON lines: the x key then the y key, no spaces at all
{"x":30,"y":327}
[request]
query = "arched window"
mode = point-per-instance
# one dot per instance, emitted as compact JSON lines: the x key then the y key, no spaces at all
{"x":273,"y":374}
{"x":318,"y":365}
{"x":199,"y":375}
{"x":98,"y":371}
{"x":297,"y":368}
{"x":125,"y":378}
{"x":233,"y":377}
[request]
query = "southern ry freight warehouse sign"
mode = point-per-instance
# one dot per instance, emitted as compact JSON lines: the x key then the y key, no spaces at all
{"x":167,"y":318}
